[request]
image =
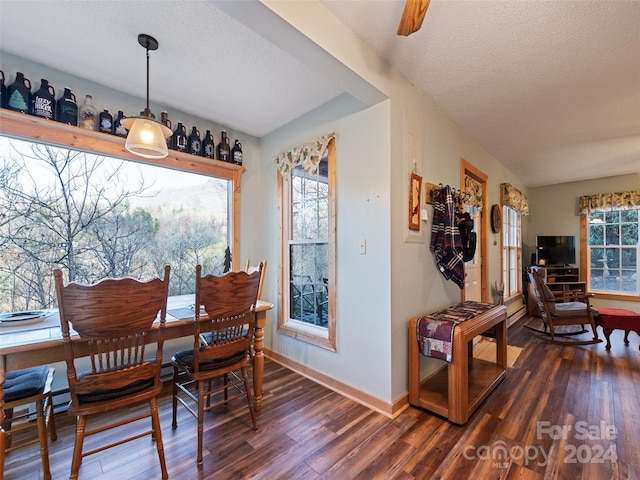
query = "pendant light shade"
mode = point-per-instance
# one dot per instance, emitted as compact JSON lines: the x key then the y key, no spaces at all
{"x":147,"y":136}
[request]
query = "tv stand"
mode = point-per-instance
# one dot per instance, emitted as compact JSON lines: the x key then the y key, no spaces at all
{"x":561,"y":273}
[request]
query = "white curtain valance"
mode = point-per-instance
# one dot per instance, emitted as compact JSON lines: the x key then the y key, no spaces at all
{"x":307,"y":155}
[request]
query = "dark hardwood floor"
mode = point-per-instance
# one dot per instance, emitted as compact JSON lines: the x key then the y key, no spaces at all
{"x":562,"y":412}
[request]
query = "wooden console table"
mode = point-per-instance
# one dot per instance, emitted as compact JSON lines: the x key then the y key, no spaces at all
{"x":458,"y":388}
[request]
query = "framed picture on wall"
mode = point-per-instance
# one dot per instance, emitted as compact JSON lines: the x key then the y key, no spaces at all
{"x":415,"y":192}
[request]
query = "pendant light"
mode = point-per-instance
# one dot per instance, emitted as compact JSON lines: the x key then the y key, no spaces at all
{"x":147,"y":136}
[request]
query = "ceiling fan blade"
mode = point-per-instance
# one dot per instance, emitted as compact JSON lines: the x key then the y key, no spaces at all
{"x":413,"y":16}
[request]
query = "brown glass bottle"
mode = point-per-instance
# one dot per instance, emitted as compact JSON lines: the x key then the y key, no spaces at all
{"x":224,"y":149}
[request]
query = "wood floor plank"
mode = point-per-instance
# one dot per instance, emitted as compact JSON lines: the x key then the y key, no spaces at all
{"x":307,"y":432}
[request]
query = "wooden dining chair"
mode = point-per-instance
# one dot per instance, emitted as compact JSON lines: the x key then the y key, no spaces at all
{"x":114,"y":320}
{"x":252,"y":268}
{"x":22,"y":388}
{"x":221,"y":348}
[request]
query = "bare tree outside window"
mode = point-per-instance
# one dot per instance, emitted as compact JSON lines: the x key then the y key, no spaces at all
{"x":97,"y":217}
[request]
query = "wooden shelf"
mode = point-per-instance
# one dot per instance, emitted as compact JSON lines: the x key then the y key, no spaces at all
{"x":27,"y":127}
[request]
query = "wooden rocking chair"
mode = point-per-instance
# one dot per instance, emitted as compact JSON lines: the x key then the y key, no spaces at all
{"x":556,"y":312}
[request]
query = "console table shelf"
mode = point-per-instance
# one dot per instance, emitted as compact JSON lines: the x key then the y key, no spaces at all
{"x":457,"y":389}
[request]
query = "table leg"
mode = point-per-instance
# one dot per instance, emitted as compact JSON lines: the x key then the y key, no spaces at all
{"x":607,"y":334}
{"x":458,"y":381}
{"x":626,"y":337}
{"x":258,"y":359}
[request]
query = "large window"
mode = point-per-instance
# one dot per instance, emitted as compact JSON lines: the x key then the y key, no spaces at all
{"x":308,"y":253}
{"x":511,"y":251}
{"x":613,"y":244}
{"x":99,"y":211}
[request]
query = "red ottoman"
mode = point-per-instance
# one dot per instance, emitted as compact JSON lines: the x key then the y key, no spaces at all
{"x":617,"y":318}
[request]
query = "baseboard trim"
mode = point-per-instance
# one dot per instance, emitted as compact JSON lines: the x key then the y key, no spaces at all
{"x":390,"y":410}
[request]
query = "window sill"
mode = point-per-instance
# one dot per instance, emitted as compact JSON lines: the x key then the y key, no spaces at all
{"x":318,"y":336}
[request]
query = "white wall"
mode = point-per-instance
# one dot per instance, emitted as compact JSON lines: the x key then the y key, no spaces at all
{"x":415,"y":286}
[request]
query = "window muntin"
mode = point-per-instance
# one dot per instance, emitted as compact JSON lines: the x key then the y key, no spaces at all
{"x":511,"y":251}
{"x":89,"y":225}
{"x":613,"y":244}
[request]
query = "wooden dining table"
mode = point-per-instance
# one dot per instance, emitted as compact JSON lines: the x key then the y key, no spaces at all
{"x":32,"y":345}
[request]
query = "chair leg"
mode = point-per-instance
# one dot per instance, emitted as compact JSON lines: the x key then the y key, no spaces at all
{"x":174,"y":399}
{"x":51,"y":419}
{"x":247,"y":389}
{"x":81,"y":422}
{"x":155,"y":421}
{"x":200,"y":418}
{"x":43,"y":438}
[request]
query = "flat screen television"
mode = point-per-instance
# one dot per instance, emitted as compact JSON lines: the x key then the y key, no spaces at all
{"x":555,"y":249}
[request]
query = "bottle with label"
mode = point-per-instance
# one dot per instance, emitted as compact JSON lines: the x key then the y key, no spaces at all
{"x":3,"y":91}
{"x":118,"y":128}
{"x":179,"y":138}
{"x":88,"y":114}
{"x":18,"y":94}
{"x":208,"y":147}
{"x":67,"y":108}
{"x":193,"y":142}
{"x":106,"y":122}
{"x":236,"y":152}
{"x":43,"y":101}
{"x":224,"y":149}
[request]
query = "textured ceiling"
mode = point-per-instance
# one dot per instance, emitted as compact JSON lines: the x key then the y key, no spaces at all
{"x":549,"y":88}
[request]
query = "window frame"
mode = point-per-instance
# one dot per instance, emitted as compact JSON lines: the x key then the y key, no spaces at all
{"x":324,"y":337}
{"x":506,"y":249}
{"x":35,"y":129}
{"x":585,"y":267}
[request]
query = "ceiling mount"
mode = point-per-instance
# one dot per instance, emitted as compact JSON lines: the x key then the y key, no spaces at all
{"x":147,"y":41}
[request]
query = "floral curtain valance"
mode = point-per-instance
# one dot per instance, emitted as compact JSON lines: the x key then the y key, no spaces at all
{"x":307,"y":155}
{"x":605,"y":202}
{"x":514,"y":198}
{"x":473,"y":192}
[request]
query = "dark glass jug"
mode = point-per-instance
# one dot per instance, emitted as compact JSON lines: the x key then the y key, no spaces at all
{"x":118,"y":128}
{"x":208,"y":147}
{"x":236,"y":153}
{"x":179,"y":138}
{"x":18,"y":94}
{"x":224,"y":150}
{"x":43,"y":101}
{"x":194,"y":143}
{"x":67,"y":108}
{"x":106,"y":122}
{"x":3,"y":91}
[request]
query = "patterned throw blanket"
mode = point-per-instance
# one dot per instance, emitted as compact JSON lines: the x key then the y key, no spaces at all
{"x":435,"y":330}
{"x":446,"y":243}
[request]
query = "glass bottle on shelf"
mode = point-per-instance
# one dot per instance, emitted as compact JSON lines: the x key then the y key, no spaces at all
{"x":236,"y":153}
{"x":88,"y":114}
{"x":118,"y":128}
{"x":67,"y":108}
{"x":208,"y":146}
{"x":106,"y":122}
{"x":43,"y":101}
{"x":179,"y":138}
{"x":3,"y":91}
{"x":164,"y":119}
{"x":194,"y":144}
{"x":224,"y":150}
{"x":18,"y":94}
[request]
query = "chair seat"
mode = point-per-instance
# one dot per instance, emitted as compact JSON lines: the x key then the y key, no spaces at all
{"x":185,"y":359}
{"x":108,"y":394}
{"x":25,"y":383}
{"x":570,"y":309}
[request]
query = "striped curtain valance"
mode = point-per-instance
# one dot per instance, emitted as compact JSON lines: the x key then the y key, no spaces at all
{"x":514,"y":198}
{"x":307,"y":155}
{"x":606,"y":202}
